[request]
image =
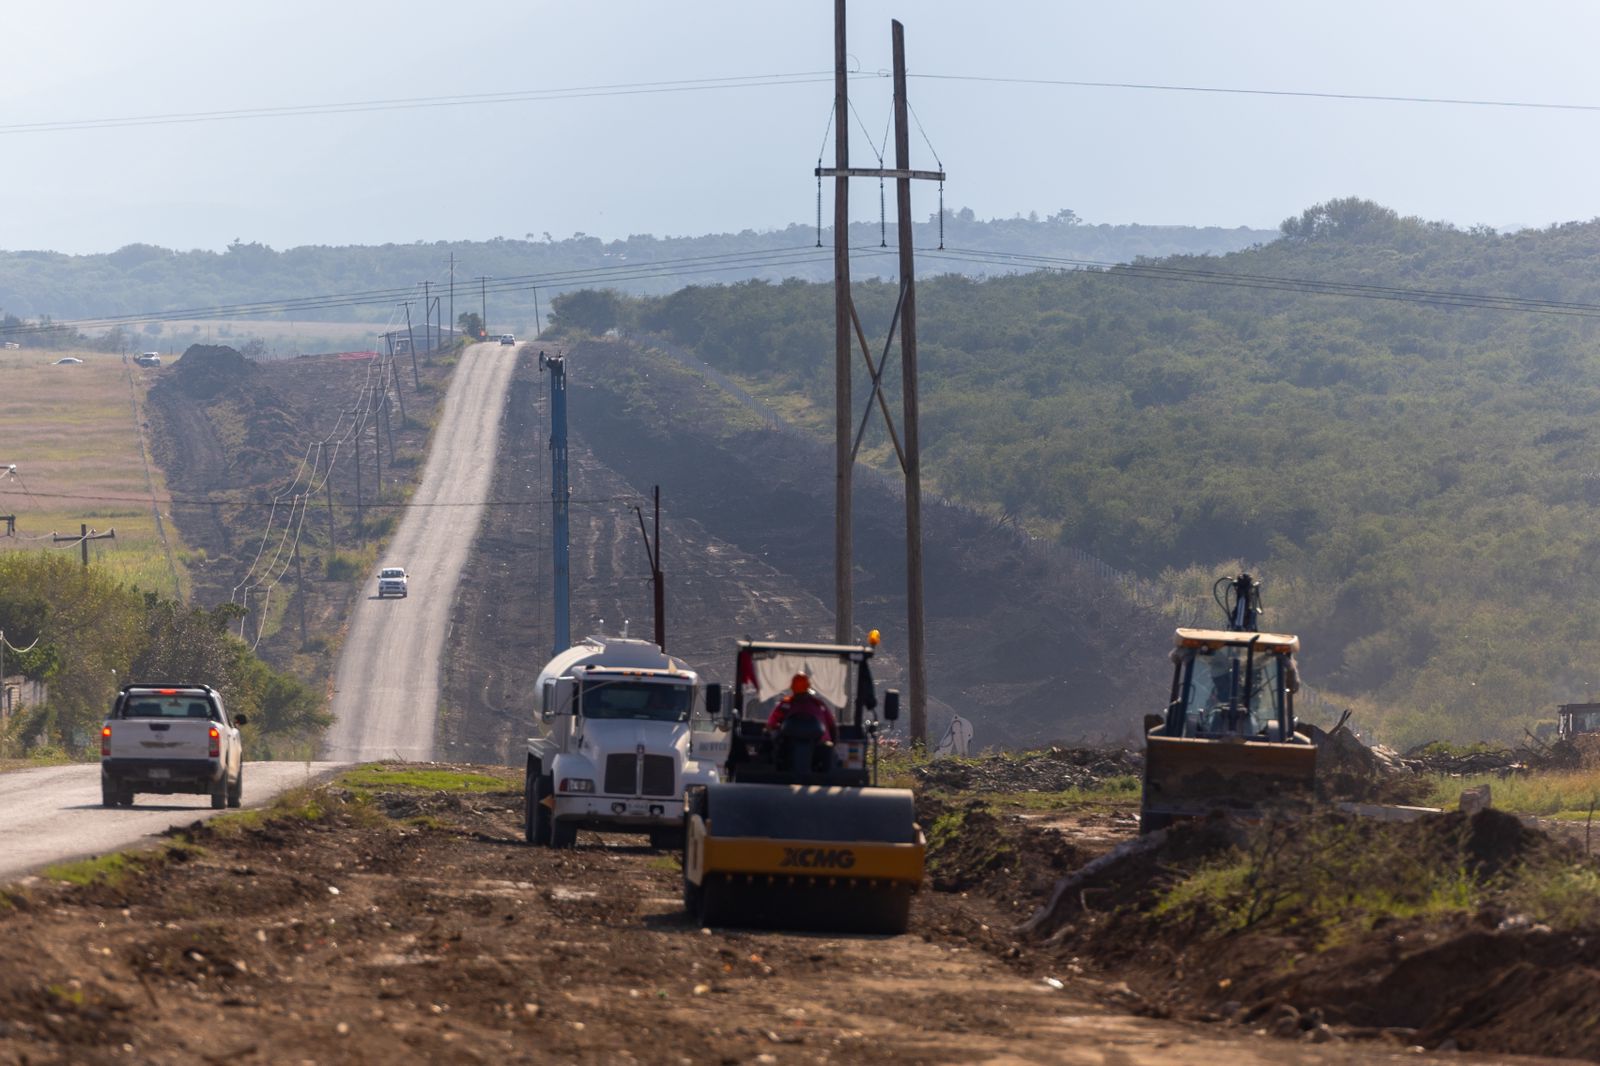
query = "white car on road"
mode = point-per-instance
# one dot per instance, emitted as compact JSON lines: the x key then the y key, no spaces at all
{"x":391,"y":582}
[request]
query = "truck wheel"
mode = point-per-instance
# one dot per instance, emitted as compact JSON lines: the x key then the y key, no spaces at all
{"x":108,"y":791}
{"x":563,"y":834}
{"x":219,"y":792}
{"x":538,"y":816}
{"x":124,"y":795}
{"x":667,"y":839}
{"x":1150,"y":821}
{"x":236,"y":790}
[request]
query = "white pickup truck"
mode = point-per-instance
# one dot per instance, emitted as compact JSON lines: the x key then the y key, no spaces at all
{"x":626,"y":733}
{"x":168,"y":739}
{"x":391,"y":582}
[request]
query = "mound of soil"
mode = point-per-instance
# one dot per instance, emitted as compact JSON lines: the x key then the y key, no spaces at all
{"x":205,"y":371}
{"x":1052,"y":770}
{"x":1485,"y":980}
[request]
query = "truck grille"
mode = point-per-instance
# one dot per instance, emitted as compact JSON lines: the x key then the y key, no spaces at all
{"x":658,"y":775}
{"x":622,"y":775}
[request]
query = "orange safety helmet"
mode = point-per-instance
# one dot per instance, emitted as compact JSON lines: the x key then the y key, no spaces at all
{"x":799,"y":683}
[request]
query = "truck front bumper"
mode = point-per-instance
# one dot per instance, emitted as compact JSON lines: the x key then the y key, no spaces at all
{"x":618,"y":814}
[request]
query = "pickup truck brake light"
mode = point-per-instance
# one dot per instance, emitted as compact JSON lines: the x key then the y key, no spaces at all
{"x":216,"y":738}
{"x":166,"y":692}
{"x":105,"y":740}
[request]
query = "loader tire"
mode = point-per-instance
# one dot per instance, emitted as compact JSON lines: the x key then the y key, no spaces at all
{"x":1150,"y":821}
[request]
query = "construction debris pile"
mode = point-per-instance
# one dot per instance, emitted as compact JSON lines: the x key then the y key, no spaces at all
{"x":1535,"y":755}
{"x":1052,"y":770}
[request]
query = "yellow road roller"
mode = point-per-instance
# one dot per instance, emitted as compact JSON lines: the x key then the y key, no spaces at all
{"x":798,"y":835}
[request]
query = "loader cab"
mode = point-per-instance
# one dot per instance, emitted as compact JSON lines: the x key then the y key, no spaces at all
{"x":1232,"y":684}
{"x":799,"y":751}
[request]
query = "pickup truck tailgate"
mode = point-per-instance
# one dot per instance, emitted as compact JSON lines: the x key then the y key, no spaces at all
{"x":161,"y":738}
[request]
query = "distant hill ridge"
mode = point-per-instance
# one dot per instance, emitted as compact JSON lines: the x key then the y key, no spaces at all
{"x":145,"y":277}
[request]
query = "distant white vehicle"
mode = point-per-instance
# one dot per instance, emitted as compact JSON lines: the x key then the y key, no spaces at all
{"x":508,"y":338}
{"x":391,"y":582}
{"x":68,"y":360}
{"x":148,"y":359}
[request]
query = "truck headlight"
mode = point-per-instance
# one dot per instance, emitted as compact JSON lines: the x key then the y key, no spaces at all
{"x":577,"y":784}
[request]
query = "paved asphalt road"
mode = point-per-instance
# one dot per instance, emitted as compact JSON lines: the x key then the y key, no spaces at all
{"x":53,"y":813}
{"x":386,"y":688}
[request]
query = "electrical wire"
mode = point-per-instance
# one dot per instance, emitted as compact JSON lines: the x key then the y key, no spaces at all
{"x":412,"y":103}
{"x":1224,"y":90}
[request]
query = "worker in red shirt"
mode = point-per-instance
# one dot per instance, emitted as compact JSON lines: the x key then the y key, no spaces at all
{"x":802,"y":701}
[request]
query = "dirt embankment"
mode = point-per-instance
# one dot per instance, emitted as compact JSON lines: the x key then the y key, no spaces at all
{"x":1019,"y":642}
{"x":231,"y":435}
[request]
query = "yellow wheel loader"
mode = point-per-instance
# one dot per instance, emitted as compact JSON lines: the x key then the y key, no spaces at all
{"x":798,"y":835}
{"x":1228,"y":740}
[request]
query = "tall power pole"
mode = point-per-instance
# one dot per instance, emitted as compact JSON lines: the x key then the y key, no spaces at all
{"x":918,"y":673}
{"x":452,"y":290}
{"x":427,"y":310}
{"x":844,"y":410}
{"x":903,"y":321}
{"x":483,"y":304}
{"x":559,"y":499}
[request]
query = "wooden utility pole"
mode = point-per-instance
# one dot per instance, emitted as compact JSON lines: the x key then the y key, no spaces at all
{"x":411,"y":341}
{"x":361,"y":536}
{"x":452,"y":309}
{"x":844,"y":410}
{"x":377,"y":450}
{"x":483,"y":311}
{"x":427,"y":319}
{"x":652,"y":552}
{"x":300,"y":592}
{"x":327,"y":483}
{"x":84,"y":537}
{"x":398,"y":395}
{"x":918,"y":673}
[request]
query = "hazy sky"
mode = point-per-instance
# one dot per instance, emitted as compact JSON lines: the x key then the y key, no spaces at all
{"x":677,"y":163}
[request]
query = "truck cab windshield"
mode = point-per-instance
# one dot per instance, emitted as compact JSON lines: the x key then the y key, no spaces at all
{"x":640,"y":700}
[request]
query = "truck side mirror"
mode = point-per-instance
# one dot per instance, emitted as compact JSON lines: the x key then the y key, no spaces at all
{"x":240,"y":719}
{"x":713,"y":701}
{"x":1153,"y":720}
{"x":891,"y":705}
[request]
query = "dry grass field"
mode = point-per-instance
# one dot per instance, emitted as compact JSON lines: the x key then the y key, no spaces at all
{"x":74,"y":437}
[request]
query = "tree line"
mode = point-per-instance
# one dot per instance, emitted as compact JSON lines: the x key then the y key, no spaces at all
{"x":86,"y":634}
{"x":1418,"y":484}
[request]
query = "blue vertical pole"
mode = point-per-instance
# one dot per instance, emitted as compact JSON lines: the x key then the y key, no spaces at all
{"x":559,"y":498}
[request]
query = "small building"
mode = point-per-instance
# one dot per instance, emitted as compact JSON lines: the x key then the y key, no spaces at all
{"x":17,"y":693}
{"x":429,"y":338}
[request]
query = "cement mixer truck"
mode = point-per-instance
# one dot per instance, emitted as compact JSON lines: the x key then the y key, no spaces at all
{"x":625,"y":732}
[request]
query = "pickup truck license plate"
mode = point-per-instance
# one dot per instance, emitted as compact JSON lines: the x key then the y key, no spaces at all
{"x":159,"y":775}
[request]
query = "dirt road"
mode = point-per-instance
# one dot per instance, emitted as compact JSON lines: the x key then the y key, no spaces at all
{"x":53,"y":813}
{"x":386,"y":687}
{"x":396,"y":927}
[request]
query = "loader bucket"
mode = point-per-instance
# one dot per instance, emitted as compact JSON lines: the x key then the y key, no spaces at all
{"x":802,"y":857}
{"x":1189,"y":777}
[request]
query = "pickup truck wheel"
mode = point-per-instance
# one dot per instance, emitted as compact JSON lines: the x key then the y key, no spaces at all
{"x":108,"y":792}
{"x":124,"y":795}
{"x":236,"y":790}
{"x":538,"y":815}
{"x":219,"y":793}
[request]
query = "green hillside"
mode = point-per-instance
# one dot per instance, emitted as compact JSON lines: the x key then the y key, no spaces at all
{"x":1419,"y":485}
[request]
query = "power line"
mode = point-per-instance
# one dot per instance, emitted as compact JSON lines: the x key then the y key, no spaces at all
{"x":411,"y":103}
{"x":1228,"y":91}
